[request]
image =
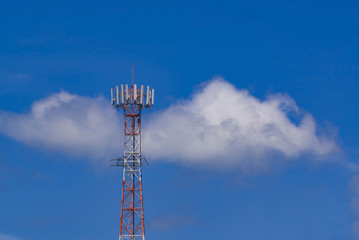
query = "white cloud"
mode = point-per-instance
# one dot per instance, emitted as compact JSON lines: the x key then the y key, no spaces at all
{"x":69,"y":124}
{"x":226,"y":127}
{"x":219,"y":126}
{"x":8,"y":237}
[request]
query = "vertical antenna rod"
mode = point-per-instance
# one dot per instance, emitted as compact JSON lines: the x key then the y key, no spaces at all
{"x":132,"y":226}
{"x":132,"y":74}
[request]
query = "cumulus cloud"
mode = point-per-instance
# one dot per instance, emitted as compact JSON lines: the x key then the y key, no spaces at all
{"x":225,"y":126}
{"x":219,"y":125}
{"x":8,"y":237}
{"x":69,"y":124}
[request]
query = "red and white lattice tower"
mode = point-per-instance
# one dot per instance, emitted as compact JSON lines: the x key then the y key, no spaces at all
{"x":131,"y":101}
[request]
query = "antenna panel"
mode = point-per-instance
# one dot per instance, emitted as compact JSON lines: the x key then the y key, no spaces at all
{"x":135,"y":92}
{"x":121,"y":93}
{"x":117,"y":97}
{"x":126,"y":92}
{"x":148,"y":95}
{"x":141,"y":95}
{"x":153,"y":96}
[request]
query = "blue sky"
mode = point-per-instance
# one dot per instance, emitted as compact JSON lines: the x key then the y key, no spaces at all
{"x":305,"y":50}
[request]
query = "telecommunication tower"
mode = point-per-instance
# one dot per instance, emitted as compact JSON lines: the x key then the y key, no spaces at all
{"x":131,"y":101}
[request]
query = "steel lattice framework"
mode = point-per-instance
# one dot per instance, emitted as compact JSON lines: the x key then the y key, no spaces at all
{"x":131,"y":101}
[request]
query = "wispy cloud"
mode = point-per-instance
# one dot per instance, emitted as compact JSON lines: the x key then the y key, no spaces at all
{"x":354,"y":187}
{"x":219,"y":125}
{"x":8,"y":76}
{"x":171,"y":222}
{"x":42,"y":221}
{"x":8,"y":237}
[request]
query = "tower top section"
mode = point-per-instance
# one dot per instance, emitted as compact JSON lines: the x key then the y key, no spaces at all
{"x":137,"y":96}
